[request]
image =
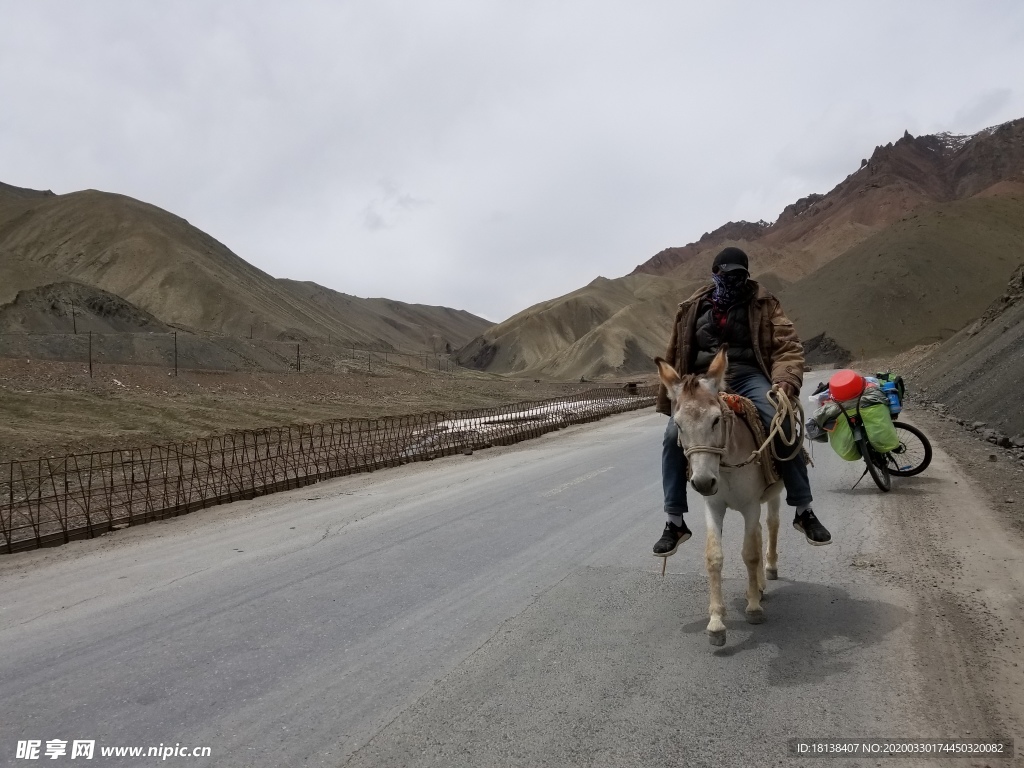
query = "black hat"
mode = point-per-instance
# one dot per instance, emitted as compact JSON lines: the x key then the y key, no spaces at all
{"x":729,"y":260}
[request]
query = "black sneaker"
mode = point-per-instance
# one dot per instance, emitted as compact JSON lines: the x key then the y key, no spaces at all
{"x":670,"y":540}
{"x":809,"y":525}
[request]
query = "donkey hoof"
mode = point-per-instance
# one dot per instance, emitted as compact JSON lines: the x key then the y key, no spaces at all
{"x":716,"y":637}
{"x":755,"y":617}
{"x":771,"y":573}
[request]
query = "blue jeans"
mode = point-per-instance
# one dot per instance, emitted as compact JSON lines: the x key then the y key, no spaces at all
{"x":754,"y":385}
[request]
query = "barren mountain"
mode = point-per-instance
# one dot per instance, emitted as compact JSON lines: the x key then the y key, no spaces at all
{"x":6,"y":190}
{"x":897,"y":179}
{"x":405,"y":326}
{"x":907,"y":249}
{"x":610,"y":327}
{"x":918,"y":281}
{"x":161,"y":264}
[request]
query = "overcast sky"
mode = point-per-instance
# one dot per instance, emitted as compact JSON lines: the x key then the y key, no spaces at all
{"x":482,"y":155}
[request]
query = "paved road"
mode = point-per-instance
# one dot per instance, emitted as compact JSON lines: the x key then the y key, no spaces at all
{"x":498,"y":609}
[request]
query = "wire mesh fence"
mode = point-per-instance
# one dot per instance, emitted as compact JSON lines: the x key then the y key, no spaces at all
{"x":188,"y":351}
{"x":48,"y":502}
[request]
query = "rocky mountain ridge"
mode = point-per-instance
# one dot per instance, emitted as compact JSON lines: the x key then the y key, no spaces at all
{"x":914,"y":243}
{"x":897,"y":178}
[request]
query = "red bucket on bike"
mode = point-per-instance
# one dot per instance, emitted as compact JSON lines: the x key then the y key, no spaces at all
{"x":845,"y":385}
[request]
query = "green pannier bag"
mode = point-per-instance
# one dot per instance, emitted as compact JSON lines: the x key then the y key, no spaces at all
{"x":841,"y":440}
{"x":878,"y":425}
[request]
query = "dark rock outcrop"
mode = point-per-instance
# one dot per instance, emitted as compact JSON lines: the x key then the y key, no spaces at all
{"x":822,"y":349}
{"x":478,"y":354}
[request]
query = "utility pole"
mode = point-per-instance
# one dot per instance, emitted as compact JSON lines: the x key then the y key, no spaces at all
{"x":298,"y":362}
{"x":90,"y":354}
{"x":175,"y":353}
{"x":74,"y":323}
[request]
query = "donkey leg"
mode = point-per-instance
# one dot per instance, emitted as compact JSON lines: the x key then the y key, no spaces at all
{"x":761,"y":573}
{"x":772,"y":556}
{"x":713,"y":559}
{"x":752,"y":557}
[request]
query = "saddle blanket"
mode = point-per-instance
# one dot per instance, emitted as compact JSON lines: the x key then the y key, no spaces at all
{"x":747,"y":411}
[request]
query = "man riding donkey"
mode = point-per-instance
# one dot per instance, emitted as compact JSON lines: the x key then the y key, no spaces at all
{"x":763,"y":349}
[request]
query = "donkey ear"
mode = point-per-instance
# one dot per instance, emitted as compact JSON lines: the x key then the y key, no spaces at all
{"x":668,"y":376}
{"x":718,"y":367}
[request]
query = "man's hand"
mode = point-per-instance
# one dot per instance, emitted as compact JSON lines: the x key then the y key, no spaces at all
{"x":789,"y":389}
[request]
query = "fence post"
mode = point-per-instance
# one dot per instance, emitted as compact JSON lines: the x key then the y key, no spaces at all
{"x":175,"y":353}
{"x":90,"y":354}
{"x":74,"y":323}
{"x":9,"y":529}
{"x":298,"y":362}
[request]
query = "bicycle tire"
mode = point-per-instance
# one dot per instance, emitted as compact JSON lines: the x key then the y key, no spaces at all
{"x":877,"y":465}
{"x":909,"y":450}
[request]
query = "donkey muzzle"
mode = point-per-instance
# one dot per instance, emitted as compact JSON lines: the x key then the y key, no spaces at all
{"x":705,"y":486}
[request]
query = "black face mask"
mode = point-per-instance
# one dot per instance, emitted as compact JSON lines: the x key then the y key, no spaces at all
{"x":735,"y":279}
{"x":729,"y":287}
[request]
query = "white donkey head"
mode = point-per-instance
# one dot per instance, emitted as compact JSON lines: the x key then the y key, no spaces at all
{"x":700,"y":419}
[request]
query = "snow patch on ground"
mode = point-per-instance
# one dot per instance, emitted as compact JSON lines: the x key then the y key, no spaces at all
{"x":484,"y":430}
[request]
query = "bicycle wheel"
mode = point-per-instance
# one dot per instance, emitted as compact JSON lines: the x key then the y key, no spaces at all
{"x":914,"y":453}
{"x":877,"y":467}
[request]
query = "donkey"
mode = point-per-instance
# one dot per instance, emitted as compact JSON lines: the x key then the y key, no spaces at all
{"x":718,"y":449}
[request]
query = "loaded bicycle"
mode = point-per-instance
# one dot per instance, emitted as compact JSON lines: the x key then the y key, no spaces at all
{"x":864,"y":426}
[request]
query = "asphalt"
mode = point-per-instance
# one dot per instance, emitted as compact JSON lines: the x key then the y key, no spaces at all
{"x":496,"y":609}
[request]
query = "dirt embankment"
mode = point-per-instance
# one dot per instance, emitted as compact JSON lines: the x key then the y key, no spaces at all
{"x":976,"y":375}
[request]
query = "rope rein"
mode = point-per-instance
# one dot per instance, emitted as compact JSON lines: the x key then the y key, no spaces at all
{"x":786,"y":409}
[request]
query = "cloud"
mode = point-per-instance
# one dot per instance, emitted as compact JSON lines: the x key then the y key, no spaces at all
{"x":982,"y":109}
{"x":372,"y":220}
{"x":481,"y":155}
{"x":389,"y":208}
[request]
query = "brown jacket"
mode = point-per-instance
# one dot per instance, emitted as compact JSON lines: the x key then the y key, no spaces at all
{"x":776,"y":344}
